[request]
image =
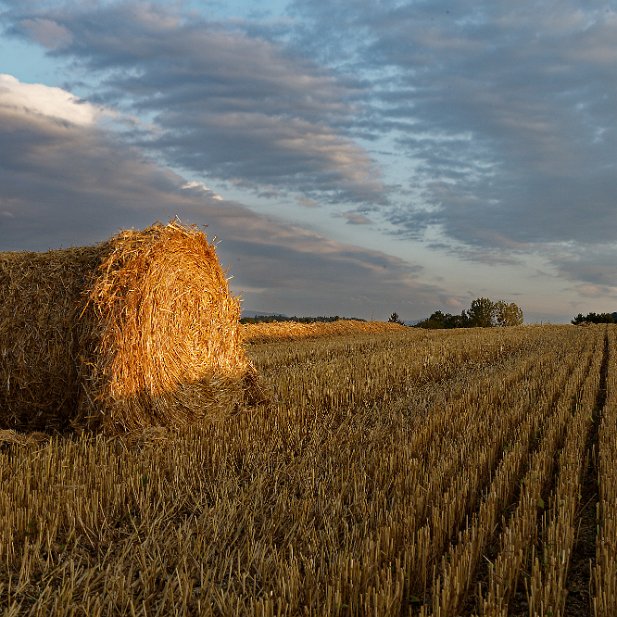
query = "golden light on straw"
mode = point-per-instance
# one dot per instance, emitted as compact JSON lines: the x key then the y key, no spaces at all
{"x":140,"y":330}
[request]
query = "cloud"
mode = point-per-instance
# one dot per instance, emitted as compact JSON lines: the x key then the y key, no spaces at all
{"x":46,"y":101}
{"x":47,"y":32}
{"x":598,"y":292}
{"x":356,"y":218}
{"x":64,"y":184}
{"x":594,"y":266}
{"x":503,"y":110}
{"x":482,"y":129}
{"x":201,"y":189}
{"x":306,"y":202}
{"x":297,"y":272}
{"x":227,"y":103}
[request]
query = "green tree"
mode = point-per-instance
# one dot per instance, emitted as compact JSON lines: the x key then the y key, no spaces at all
{"x":435,"y":322}
{"x":579,"y":319}
{"x":507,"y":314}
{"x":595,"y":318}
{"x":394,"y":318}
{"x":481,"y":313}
{"x":458,"y":321}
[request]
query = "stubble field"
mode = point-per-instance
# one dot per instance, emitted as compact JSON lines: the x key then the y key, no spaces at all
{"x":401,"y":472}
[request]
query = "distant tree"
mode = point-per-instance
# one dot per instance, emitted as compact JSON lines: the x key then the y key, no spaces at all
{"x":439,"y":320}
{"x":595,"y":318}
{"x":436,"y":321}
{"x":507,"y":314}
{"x":458,"y":321}
{"x":394,"y":318}
{"x":481,"y":313}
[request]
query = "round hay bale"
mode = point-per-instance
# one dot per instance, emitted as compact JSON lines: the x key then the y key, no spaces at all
{"x":138,"y":331}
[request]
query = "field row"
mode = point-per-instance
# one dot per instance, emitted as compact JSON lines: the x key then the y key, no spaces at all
{"x":401,"y":473}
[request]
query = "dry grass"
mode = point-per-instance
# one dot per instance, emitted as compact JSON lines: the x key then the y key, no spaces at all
{"x":400,"y":473}
{"x":605,"y":570}
{"x":293,"y":330}
{"x":139,"y":330}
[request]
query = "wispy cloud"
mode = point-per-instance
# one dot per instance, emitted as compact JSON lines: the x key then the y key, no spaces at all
{"x":227,"y":103}
{"x":594,"y":268}
{"x":482,"y":130}
{"x":67,"y":183}
{"x":39,"y":99}
{"x":504,"y":108}
{"x":356,"y":218}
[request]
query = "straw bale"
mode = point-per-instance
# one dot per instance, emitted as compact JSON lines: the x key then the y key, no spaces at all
{"x":137,"y":331}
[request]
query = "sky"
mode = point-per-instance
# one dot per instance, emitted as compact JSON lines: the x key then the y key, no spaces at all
{"x":349,"y":157}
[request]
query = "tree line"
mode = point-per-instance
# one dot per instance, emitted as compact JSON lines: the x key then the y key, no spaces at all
{"x":595,"y":318}
{"x":483,"y":313}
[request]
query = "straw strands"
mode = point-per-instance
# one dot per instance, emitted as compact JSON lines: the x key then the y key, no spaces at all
{"x":137,"y":331}
{"x":294,"y":330}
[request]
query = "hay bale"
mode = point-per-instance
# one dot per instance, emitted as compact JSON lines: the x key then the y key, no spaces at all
{"x":138,"y":331}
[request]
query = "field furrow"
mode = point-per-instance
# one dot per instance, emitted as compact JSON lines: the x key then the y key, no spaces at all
{"x":547,"y":585}
{"x":604,"y":576}
{"x":458,"y":568}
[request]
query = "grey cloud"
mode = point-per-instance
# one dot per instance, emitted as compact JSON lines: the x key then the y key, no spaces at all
{"x":226,"y":103}
{"x":595,"y":266}
{"x":506,"y":108}
{"x":307,"y":202}
{"x":499,"y":118}
{"x":356,"y":218}
{"x":47,"y":32}
{"x":63,"y":184}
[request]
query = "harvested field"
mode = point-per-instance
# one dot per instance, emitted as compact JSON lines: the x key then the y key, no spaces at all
{"x":407,"y":472}
{"x":293,"y":330}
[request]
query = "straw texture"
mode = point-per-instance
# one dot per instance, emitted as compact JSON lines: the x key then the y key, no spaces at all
{"x":138,"y":331}
{"x":293,"y":330}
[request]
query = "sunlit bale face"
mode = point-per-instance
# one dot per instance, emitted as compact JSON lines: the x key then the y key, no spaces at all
{"x":137,"y":331}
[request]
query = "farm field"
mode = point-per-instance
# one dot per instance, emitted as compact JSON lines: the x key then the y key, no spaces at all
{"x":400,"y":472}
